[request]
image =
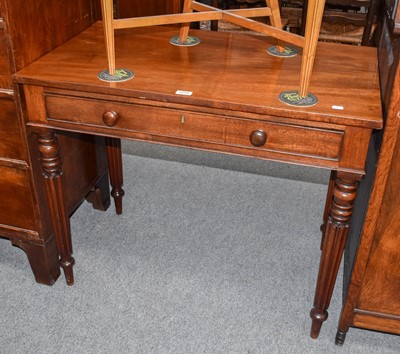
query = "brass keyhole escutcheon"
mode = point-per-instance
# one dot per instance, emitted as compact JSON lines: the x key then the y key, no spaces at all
{"x":258,"y":138}
{"x":182,"y":119}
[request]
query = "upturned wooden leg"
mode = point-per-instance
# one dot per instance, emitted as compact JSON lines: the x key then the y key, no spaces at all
{"x":52,"y":171}
{"x":315,"y":10}
{"x":184,"y":32}
{"x":114,"y":157}
{"x":275,"y":19}
{"x":108,"y":18}
{"x":337,"y":228}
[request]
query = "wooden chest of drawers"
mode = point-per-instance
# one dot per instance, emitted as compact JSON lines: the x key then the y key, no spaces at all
{"x":27,"y":31}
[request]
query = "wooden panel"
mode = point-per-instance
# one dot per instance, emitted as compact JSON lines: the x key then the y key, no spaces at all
{"x":381,"y":288}
{"x":372,"y":295}
{"x":83,"y":161}
{"x":136,"y":8}
{"x":375,"y":320}
{"x":16,"y":203}
{"x":63,"y":20}
{"x":10,"y":137}
{"x":5,"y":71}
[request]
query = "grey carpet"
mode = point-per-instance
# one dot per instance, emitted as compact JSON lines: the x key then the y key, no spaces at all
{"x":203,"y":260}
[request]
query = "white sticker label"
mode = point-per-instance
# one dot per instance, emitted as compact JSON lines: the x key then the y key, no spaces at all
{"x":183,"y":93}
{"x":340,"y":108}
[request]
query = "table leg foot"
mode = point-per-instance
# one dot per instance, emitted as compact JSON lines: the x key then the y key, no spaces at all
{"x":114,"y":157}
{"x":318,"y":316}
{"x":340,"y":337}
{"x":67,"y":266}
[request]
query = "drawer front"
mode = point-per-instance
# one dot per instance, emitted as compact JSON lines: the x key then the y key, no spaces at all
{"x":285,"y":139}
{"x":10,"y":136}
{"x":16,"y":204}
{"x":5,"y":72}
{"x":140,"y":119}
{"x":231,"y":134}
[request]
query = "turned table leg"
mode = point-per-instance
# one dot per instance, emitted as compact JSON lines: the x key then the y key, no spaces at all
{"x":335,"y":236}
{"x":114,"y":157}
{"x":329,"y":196}
{"x":52,"y":171}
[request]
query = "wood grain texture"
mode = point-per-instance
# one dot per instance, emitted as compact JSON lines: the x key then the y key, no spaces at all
{"x":10,"y":134}
{"x":5,"y":70}
{"x":47,"y":24}
{"x":28,"y":30}
{"x":230,"y":105}
{"x":372,"y":300}
{"x":230,"y":79}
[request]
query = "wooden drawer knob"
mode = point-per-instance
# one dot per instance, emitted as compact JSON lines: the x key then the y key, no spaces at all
{"x":110,"y":118}
{"x":258,"y":138}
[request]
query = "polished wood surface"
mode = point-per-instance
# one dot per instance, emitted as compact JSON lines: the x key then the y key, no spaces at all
{"x":229,"y":104}
{"x":229,"y":80}
{"x":196,"y":11}
{"x":29,"y":30}
{"x":372,"y":297}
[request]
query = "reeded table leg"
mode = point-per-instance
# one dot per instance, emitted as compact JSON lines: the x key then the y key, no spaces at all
{"x":114,"y":157}
{"x":52,"y":171}
{"x":328,"y":203}
{"x":337,"y":228}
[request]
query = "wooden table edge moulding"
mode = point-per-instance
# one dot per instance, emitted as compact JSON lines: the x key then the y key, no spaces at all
{"x":234,"y":114}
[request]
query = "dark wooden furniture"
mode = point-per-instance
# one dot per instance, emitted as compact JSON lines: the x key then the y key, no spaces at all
{"x":29,"y":29}
{"x":344,"y":22}
{"x":227,"y":102}
{"x":138,"y":8}
{"x":372,"y":272}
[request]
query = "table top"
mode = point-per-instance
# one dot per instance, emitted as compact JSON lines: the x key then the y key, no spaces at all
{"x":226,"y":71}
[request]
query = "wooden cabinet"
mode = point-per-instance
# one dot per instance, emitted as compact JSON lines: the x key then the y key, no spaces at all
{"x":28,"y":30}
{"x":372,"y":267}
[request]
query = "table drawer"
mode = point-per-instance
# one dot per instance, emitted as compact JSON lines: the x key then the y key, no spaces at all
{"x":136,"y":118}
{"x":215,"y":129}
{"x":285,"y":138}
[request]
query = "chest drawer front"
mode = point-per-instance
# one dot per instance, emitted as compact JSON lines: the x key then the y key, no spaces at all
{"x":135,"y":118}
{"x":16,"y":204}
{"x":286,"y":139}
{"x":5,"y":72}
{"x":10,"y":136}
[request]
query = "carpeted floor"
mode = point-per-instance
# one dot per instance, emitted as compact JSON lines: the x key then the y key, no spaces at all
{"x":203,"y":260}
